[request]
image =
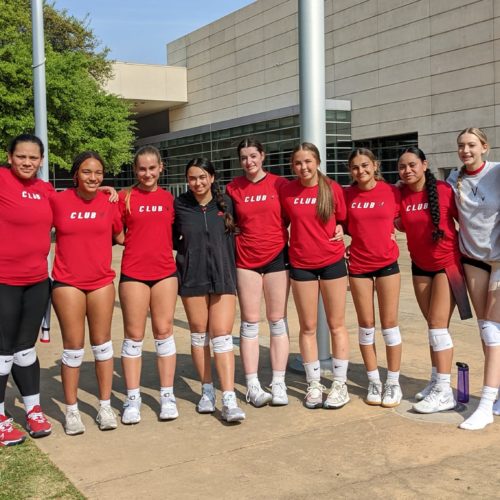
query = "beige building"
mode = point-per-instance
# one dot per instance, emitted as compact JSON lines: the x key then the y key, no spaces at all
{"x":398,"y":72}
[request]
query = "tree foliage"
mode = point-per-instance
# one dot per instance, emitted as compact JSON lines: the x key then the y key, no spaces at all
{"x":80,"y":114}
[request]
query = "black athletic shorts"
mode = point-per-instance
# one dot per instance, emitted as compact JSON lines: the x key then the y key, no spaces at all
{"x":151,"y":283}
{"x":417,"y":271}
{"x":332,"y":272}
{"x":279,"y":263}
{"x":476,"y":263}
{"x":379,"y":273}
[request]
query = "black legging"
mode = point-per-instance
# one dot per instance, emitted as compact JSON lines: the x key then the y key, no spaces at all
{"x":21,"y":312}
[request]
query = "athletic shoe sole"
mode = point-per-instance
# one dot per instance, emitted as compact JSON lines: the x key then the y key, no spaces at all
{"x":424,"y":411}
{"x":38,"y":434}
{"x":335,"y":406}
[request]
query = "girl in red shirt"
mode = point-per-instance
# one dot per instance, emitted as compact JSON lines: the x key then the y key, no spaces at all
{"x":428,"y":215}
{"x":314,"y":204}
{"x":261,"y":267}
{"x":85,"y":222}
{"x":148,"y":282}
{"x":25,"y":222}
{"x":372,"y":206}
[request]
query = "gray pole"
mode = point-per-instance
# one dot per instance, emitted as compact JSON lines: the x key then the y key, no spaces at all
{"x":312,"y":115}
{"x":39,"y":89}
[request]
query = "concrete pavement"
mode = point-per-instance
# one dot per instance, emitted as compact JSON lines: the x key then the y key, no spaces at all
{"x":282,"y":452}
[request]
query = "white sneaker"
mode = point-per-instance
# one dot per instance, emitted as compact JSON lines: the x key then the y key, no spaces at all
{"x":374,"y":395}
{"x":314,"y":395}
{"x":231,"y":412}
{"x":338,"y":395}
{"x":168,"y":409}
{"x":425,"y":391}
{"x":73,"y":424}
{"x":106,"y":418}
{"x":439,"y":399}
{"x":131,"y":411}
{"x":256,"y":395}
{"x":207,"y":401}
{"x":279,"y":395}
{"x":392,"y":395}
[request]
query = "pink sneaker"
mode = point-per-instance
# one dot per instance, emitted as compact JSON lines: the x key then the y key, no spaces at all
{"x":36,"y":423}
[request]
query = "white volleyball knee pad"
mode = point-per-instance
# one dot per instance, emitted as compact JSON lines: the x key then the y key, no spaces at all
{"x":392,"y":336}
{"x":165,"y":347}
{"x":131,"y":348}
{"x":366,"y":336}
{"x":73,"y":357}
{"x":199,"y":339}
{"x":490,"y":333}
{"x":26,"y":357}
{"x":223,"y":343}
{"x":278,"y":328}
{"x":249,"y":331}
{"x":6,"y":363}
{"x":440,"y":339}
{"x":103,"y":352}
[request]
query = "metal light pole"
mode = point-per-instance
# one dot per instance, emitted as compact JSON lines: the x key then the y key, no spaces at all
{"x":39,"y":91}
{"x":39,"y":88}
{"x":312,"y":121}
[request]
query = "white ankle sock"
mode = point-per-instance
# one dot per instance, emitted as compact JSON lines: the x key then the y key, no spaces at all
{"x":339,"y":368}
{"x":373,"y":376}
{"x":31,"y":401}
{"x":250,"y":377}
{"x":484,"y":412}
{"x":392,"y":377}
{"x":279,"y":376}
{"x":133,"y":394}
{"x":443,"y":379}
{"x":72,"y":407}
{"x":313,"y":371}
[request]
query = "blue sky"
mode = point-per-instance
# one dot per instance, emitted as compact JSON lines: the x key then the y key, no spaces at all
{"x":138,"y":30}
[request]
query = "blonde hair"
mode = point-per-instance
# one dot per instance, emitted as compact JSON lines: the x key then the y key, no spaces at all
{"x":325,"y":205}
{"x":483,"y":139}
{"x":145,"y":150}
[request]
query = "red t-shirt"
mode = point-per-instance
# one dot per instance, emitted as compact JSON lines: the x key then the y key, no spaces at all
{"x":263,"y":233}
{"x":148,"y":240}
{"x":25,"y":222}
{"x":310,"y":245}
{"x":417,"y":222}
{"x":84,"y":231}
{"x":370,"y":222}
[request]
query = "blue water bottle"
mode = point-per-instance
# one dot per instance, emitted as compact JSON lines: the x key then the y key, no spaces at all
{"x":463,"y":382}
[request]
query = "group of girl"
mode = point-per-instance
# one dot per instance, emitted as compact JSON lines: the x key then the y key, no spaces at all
{"x":236,"y":244}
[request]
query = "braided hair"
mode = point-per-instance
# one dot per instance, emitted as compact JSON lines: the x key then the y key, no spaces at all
{"x":432,"y":194}
{"x":208,"y":167}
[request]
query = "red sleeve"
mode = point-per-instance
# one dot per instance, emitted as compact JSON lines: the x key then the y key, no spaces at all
{"x":117,"y":220}
{"x":397,"y":201}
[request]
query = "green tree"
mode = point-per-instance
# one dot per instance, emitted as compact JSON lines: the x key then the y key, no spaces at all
{"x":80,"y":114}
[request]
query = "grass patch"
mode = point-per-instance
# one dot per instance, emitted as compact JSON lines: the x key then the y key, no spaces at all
{"x":26,"y":472}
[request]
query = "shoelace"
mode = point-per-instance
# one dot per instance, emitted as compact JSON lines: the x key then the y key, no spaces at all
{"x":6,"y":425}
{"x":375,"y":389}
{"x":279,"y":385}
{"x":37,"y":417}
{"x":311,"y":388}
{"x":252,"y":387}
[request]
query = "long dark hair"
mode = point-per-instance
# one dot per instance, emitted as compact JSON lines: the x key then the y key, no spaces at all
{"x":206,"y":165}
{"x":432,"y":194}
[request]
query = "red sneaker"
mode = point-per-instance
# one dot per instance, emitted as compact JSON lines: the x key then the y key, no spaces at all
{"x":36,"y":423}
{"x":9,"y":435}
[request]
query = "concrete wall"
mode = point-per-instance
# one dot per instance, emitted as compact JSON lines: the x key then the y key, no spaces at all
{"x":425,"y":66}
